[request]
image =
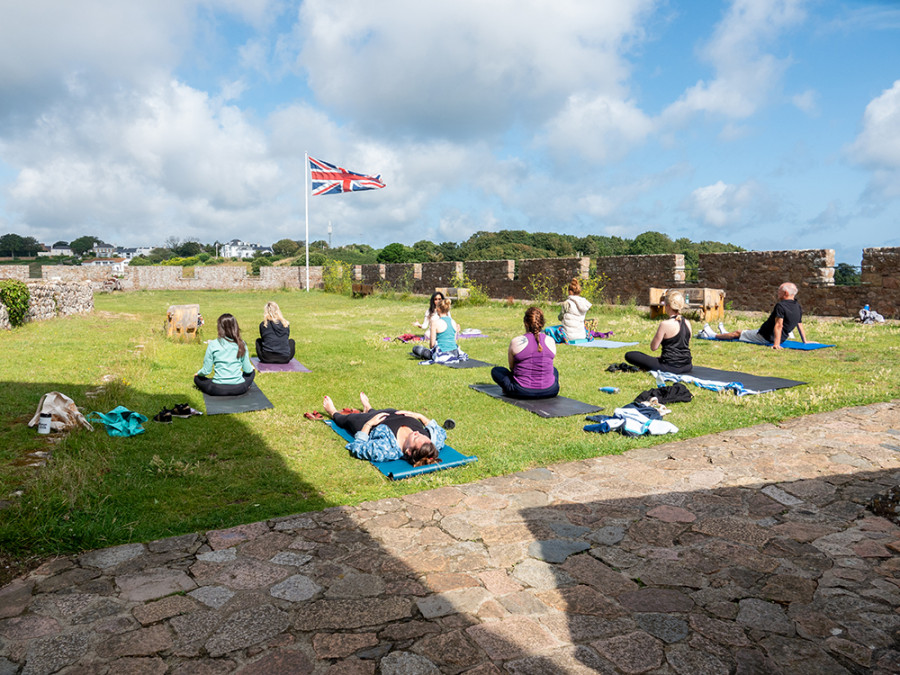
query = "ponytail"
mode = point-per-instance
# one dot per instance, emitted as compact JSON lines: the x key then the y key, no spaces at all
{"x":534,"y":324}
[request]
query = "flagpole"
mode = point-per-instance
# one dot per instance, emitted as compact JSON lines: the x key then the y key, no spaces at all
{"x":306,"y":192}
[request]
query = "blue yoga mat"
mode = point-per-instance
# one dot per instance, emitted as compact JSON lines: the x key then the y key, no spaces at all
{"x":787,"y":344}
{"x":601,"y":343}
{"x":400,"y":468}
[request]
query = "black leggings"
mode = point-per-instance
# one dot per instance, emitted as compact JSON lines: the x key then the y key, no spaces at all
{"x":354,"y":422}
{"x":207,"y":386}
{"x":504,"y":377}
{"x":647,"y":362}
{"x":271,"y":357}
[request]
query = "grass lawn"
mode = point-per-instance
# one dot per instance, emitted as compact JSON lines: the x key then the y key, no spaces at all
{"x":213,"y":472}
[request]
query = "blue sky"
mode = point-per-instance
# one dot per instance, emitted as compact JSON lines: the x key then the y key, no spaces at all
{"x":771,"y":124}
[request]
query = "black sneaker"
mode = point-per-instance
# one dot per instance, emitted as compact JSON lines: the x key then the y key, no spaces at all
{"x":182,"y":410}
{"x":164,"y":416}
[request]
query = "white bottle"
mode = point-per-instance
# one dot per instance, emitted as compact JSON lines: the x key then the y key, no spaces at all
{"x":44,"y":424}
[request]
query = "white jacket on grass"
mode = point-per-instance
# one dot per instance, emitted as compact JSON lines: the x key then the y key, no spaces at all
{"x":572,"y":316}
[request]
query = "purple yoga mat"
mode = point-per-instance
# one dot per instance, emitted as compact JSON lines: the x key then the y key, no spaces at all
{"x":292,"y":366}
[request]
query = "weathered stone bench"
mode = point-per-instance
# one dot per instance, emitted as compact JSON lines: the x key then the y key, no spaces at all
{"x":453,"y":294}
{"x":183,"y":322}
{"x":362,"y":290}
{"x":707,"y":303}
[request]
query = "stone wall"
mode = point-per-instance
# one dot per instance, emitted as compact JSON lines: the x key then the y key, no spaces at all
{"x":630,"y":277}
{"x":750,"y":279}
{"x":18,"y":272}
{"x":50,"y":299}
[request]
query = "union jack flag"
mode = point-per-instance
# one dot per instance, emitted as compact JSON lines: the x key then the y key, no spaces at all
{"x":328,"y":179}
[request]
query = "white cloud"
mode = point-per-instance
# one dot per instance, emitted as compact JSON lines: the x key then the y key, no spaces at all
{"x":722,"y":205}
{"x":745,"y":75}
{"x":807,"y":101}
{"x":457,"y":69}
{"x":599,"y":128}
{"x":877,"y":147}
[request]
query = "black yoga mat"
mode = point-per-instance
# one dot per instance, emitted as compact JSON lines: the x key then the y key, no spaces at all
{"x":470,"y":363}
{"x":254,"y":399}
{"x":754,"y":382}
{"x":558,"y":406}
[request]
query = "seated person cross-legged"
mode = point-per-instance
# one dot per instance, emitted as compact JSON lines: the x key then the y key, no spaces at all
{"x":389,"y":434}
{"x":443,"y":333}
{"x":227,"y":361}
{"x":274,"y":344}
{"x":531,"y":373}
{"x":674,"y":336}
{"x":778,"y":327}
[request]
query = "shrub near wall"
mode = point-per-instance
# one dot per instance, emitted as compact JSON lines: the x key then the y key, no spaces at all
{"x":50,"y":299}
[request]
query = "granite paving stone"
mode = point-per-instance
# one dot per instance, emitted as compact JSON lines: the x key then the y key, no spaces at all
{"x":747,"y":551}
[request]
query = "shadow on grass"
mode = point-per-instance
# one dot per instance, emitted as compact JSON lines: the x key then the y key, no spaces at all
{"x":205,"y":472}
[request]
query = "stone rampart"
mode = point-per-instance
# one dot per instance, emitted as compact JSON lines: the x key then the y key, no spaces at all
{"x":18,"y":272}
{"x":50,"y":299}
{"x":630,"y":277}
{"x":749,"y":278}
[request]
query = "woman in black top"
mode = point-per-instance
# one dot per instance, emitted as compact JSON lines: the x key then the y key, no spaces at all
{"x":274,"y":344}
{"x":674,"y":336}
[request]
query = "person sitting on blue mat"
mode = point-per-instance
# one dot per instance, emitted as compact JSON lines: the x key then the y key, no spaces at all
{"x":674,"y":336}
{"x":786,"y":316}
{"x":389,"y":434}
{"x":531,"y":374}
{"x":227,"y":357}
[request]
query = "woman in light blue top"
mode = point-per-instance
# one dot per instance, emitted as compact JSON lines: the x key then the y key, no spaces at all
{"x":443,"y":332}
{"x":227,"y":357}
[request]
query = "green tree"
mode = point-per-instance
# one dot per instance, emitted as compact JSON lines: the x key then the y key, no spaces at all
{"x":188,"y":248}
{"x":286,"y":247}
{"x":157,"y":255}
{"x":846,"y":274}
{"x":395,"y":253}
{"x":82,"y":245}
{"x":12,"y":243}
{"x":651,"y":242}
{"x":32,"y":246}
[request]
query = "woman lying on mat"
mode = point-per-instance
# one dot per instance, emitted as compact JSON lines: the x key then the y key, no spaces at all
{"x":531,"y":373}
{"x":573,"y":312}
{"x":227,"y":357}
{"x":389,"y":434}
{"x":443,"y":332}
{"x":274,"y":344}
{"x":674,"y":336}
{"x":431,"y":312}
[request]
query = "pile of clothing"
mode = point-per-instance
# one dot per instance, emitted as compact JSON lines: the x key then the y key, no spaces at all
{"x":644,"y":416}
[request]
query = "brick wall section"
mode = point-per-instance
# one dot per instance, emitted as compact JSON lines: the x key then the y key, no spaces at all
{"x":19,"y":272}
{"x":372,"y":274}
{"x":49,"y":299}
{"x":630,"y":277}
{"x":750,"y":279}
{"x":438,"y":275}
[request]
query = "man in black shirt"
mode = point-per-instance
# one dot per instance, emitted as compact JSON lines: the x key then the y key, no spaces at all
{"x":786,"y":316}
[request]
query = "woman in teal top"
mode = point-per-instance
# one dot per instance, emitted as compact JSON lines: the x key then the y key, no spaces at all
{"x":442,"y":332}
{"x":227,"y":357}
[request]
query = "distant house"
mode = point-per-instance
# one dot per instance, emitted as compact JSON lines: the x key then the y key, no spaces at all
{"x":59,"y":248}
{"x":103,"y":250}
{"x":242,"y":249}
{"x":115,"y":265}
{"x":129,"y":253}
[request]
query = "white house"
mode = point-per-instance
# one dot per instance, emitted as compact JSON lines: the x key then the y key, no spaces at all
{"x":103,"y":250}
{"x":242,"y":249}
{"x":129,"y":253}
{"x":114,"y":265}
{"x":59,"y":248}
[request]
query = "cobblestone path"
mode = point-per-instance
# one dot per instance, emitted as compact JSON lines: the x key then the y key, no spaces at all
{"x":748,"y":551}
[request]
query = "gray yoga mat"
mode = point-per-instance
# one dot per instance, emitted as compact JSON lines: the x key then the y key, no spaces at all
{"x":754,"y":382}
{"x":470,"y":363}
{"x":254,"y":399}
{"x":558,"y":406}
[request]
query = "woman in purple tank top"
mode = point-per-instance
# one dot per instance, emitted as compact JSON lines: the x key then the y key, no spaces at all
{"x":531,"y":373}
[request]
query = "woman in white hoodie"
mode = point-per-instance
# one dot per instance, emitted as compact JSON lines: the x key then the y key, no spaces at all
{"x":573,"y":312}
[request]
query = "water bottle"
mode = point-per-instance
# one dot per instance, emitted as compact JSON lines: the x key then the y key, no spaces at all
{"x":866,"y":308}
{"x":44,"y":424}
{"x":609,"y":390}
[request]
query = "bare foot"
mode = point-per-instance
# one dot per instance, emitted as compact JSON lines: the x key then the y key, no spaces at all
{"x":328,"y":404}
{"x":365,"y":401}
